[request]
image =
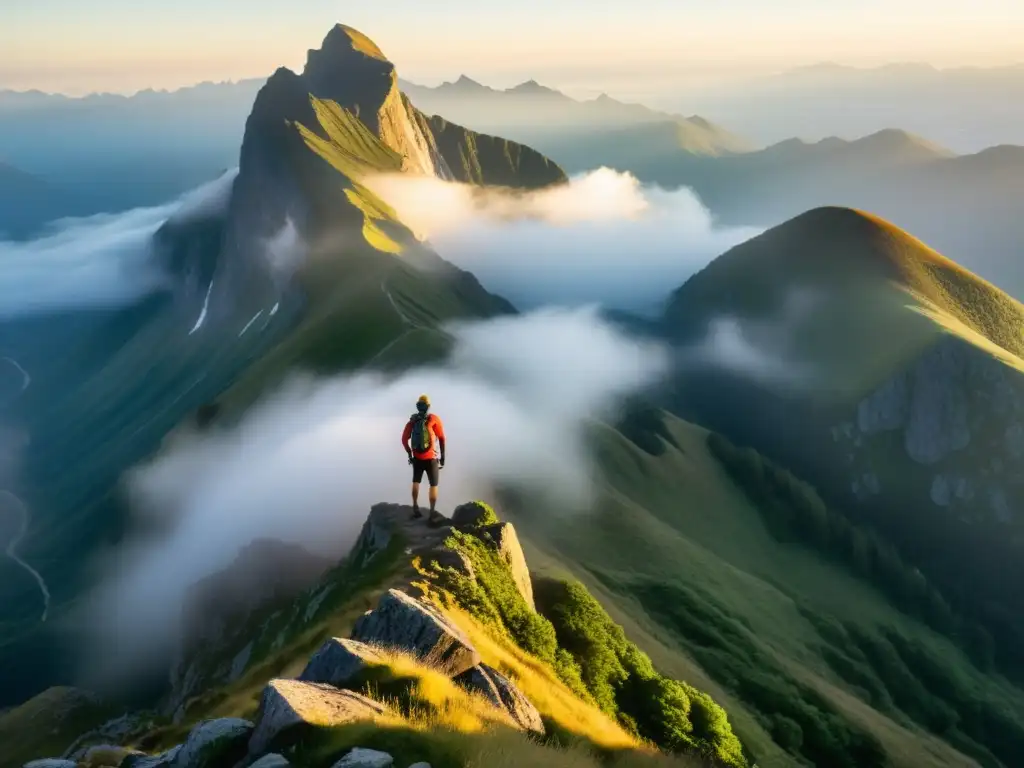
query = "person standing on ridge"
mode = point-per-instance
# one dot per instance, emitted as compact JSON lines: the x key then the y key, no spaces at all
{"x":423,"y":440}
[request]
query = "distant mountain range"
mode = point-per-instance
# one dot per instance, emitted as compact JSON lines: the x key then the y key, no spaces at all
{"x":108,"y":152}
{"x":965,"y":205}
{"x":965,"y":108}
{"x":547,"y":118}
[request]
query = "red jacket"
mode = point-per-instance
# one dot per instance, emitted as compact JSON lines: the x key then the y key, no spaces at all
{"x":437,"y":432}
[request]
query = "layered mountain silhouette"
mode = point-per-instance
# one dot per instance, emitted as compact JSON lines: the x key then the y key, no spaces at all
{"x":963,"y":205}
{"x":966,"y":108}
{"x":198,"y":130}
{"x":570,"y":128}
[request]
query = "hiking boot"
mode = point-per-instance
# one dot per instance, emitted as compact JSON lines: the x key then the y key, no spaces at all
{"x":416,"y":514}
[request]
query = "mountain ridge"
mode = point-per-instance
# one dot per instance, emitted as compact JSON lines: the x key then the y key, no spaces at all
{"x":550,"y":119}
{"x":907,"y":413}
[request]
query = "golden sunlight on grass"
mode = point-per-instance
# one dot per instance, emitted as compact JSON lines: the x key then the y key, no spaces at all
{"x":541,"y":685}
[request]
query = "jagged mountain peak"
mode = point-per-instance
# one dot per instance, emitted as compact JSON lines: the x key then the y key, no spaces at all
{"x":351,"y":70}
{"x":343,"y":40}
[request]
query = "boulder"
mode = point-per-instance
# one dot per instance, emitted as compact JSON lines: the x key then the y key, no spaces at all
{"x":504,"y":694}
{"x":163,"y":760}
{"x":339,"y":661}
{"x":291,"y":705}
{"x":402,"y":622}
{"x":51,"y":762}
{"x":273,"y":760}
{"x":365,"y":758}
{"x":445,"y":557}
{"x":473,"y":515}
{"x":214,"y":743}
{"x":503,"y":536}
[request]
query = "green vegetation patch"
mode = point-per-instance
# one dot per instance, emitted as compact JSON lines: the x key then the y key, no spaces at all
{"x":901,"y":676}
{"x":49,"y":723}
{"x":624,"y":683}
{"x":591,"y":654}
{"x":794,"y":512}
{"x":797,"y":716}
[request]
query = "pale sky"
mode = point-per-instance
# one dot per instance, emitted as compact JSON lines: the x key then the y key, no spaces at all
{"x":77,"y":46}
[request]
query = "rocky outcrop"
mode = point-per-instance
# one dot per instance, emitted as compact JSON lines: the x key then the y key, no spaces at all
{"x":365,"y":758}
{"x":400,"y":621}
{"x":445,"y":557}
{"x":51,"y":763}
{"x":329,"y":691}
{"x":339,"y":662}
{"x":215,"y":743}
{"x":473,"y":515}
{"x":959,"y":413}
{"x":504,"y":695}
{"x":288,"y":706}
{"x":503,"y":536}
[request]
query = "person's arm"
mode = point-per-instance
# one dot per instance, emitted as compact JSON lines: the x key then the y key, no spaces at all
{"x":439,"y":434}
{"x":406,"y":434}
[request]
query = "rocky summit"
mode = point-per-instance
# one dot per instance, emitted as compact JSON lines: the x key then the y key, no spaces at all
{"x":335,"y":689}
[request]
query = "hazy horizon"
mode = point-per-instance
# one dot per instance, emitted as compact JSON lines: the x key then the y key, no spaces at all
{"x":118,"y":47}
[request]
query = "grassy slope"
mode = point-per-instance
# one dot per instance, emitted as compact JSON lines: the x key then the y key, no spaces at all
{"x":431,"y":717}
{"x":678,"y":520}
{"x":47,"y":724}
{"x":870,"y":272}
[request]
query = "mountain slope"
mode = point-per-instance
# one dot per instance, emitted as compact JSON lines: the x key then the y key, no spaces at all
{"x":684,"y":560}
{"x":298,"y":265}
{"x":901,"y":400}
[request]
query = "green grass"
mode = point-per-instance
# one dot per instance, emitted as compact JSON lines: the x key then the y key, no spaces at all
{"x":591,"y":655}
{"x":889,"y":297}
{"x":677,"y":522}
{"x":48,"y":724}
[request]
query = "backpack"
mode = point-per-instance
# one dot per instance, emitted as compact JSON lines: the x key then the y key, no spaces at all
{"x":422,"y":438}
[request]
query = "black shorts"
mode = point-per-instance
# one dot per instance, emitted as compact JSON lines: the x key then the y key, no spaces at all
{"x":430,"y":466}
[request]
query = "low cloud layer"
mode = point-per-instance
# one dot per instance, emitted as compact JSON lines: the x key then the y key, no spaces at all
{"x":602,"y":238}
{"x":99,"y":261}
{"x":305,"y":466}
{"x":762,"y":350}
